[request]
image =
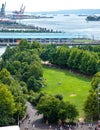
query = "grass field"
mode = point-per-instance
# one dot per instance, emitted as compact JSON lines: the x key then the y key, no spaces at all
{"x":73,"y":87}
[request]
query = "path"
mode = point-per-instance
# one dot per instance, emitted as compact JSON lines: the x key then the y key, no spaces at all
{"x":36,"y":119}
{"x":33,"y":119}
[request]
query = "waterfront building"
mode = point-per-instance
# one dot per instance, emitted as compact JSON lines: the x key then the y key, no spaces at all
{"x":56,"y":38}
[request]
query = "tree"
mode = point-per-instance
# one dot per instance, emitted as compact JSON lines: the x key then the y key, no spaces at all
{"x":62,"y":56}
{"x":49,"y":107}
{"x":8,"y":53}
{"x":71,"y":58}
{"x":77,"y":60}
{"x":13,"y":87}
{"x":54,"y":109}
{"x":37,"y":46}
{"x":67,"y":111}
{"x":88,"y":63}
{"x":24,"y":62}
{"x":92,"y":65}
{"x":91,"y":106}
{"x":33,"y":84}
{"x":98,"y":65}
{"x":84,"y":61}
{"x":35,"y":70}
{"x":48,"y":53}
{"x":5,"y":77}
{"x":23,"y":45}
{"x":95,"y":81}
{"x":7,"y":105}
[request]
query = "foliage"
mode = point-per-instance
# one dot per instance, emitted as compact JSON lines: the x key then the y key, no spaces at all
{"x":7,"y":105}
{"x":18,"y":96}
{"x":33,"y":84}
{"x":5,"y":77}
{"x":62,"y":55}
{"x":74,"y":58}
{"x":48,"y":53}
{"x":24,"y":63}
{"x":95,"y":81}
{"x":53,"y":109}
{"x":59,"y":96}
{"x":91,"y":106}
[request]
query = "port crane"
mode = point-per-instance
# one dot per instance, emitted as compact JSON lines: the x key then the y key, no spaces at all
{"x":20,"y":12}
{"x":2,"y":12}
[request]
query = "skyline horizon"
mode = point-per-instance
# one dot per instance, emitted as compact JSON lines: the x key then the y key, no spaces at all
{"x":57,"y":10}
{"x":50,"y":5}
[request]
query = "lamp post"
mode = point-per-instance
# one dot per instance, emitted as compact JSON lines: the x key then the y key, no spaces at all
{"x":99,"y":100}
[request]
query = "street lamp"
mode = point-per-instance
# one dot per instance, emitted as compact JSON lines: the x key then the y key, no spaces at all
{"x":99,"y":100}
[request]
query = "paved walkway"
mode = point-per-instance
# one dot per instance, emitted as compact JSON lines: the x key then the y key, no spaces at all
{"x":34,"y":121}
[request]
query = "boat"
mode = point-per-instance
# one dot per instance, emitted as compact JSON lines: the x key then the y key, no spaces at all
{"x":93,"y":18}
{"x":66,"y":15}
{"x":82,"y":15}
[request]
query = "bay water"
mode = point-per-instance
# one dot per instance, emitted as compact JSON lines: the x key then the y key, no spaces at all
{"x":71,"y":24}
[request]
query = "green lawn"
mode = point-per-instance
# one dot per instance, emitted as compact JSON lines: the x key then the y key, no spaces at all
{"x":73,"y":87}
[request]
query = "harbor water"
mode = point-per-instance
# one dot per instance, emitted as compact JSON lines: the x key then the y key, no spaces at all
{"x":72,"y":24}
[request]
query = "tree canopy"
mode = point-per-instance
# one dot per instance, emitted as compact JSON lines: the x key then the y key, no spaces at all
{"x":23,"y":63}
{"x":91,"y":105}
{"x":80,"y":60}
{"x":54,"y":109}
{"x":7,"y":105}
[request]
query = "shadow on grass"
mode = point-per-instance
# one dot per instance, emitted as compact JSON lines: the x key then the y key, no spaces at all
{"x":69,"y":73}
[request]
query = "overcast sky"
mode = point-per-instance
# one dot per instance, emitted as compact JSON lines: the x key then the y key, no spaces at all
{"x":50,"y":5}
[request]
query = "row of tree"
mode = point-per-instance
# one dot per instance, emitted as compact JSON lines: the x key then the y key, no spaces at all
{"x":92,"y":103}
{"x":94,"y":48}
{"x":12,"y":99}
{"x":24,"y":64}
{"x":72,"y":58}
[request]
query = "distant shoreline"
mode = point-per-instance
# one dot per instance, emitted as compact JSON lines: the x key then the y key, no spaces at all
{"x":13,"y":26}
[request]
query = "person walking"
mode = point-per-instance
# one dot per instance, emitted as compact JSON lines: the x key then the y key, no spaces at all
{"x":50,"y":128}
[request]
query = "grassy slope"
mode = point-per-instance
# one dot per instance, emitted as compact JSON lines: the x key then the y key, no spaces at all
{"x":73,"y":87}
